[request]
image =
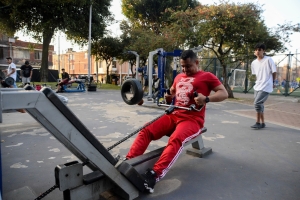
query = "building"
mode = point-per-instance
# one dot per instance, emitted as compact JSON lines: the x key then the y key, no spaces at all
{"x":76,"y":64}
{"x":21,"y":51}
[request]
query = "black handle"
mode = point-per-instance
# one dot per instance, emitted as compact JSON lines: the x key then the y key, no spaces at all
{"x":195,"y":93}
{"x":168,"y":92}
{"x":170,"y":109}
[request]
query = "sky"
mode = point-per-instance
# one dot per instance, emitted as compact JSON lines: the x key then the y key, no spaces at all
{"x":275,"y":12}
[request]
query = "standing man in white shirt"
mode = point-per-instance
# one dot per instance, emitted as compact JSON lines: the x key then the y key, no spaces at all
{"x":264,"y":69}
{"x":11,"y":71}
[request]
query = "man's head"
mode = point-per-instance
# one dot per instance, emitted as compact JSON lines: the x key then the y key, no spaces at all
{"x":63,"y":70}
{"x":26,"y":62}
{"x":9,"y":60}
{"x":259,"y":49}
{"x":189,"y":62}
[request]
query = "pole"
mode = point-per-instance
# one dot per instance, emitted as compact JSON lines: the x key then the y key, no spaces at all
{"x":246,"y":79}
{"x":121,"y":75}
{"x":58,"y":52}
{"x":89,"y":48}
{"x":287,"y":82}
{"x":296,"y":64}
{"x":10,"y":50}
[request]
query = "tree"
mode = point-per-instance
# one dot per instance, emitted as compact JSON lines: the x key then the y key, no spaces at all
{"x":150,"y":14}
{"x":227,"y":30}
{"x":142,"y":41}
{"x":41,"y":19}
{"x":106,"y":49}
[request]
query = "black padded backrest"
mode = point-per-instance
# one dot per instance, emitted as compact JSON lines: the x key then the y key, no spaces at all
{"x":78,"y":124}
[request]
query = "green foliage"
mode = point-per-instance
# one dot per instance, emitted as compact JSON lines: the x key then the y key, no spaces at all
{"x":41,"y":19}
{"x":226,"y":29}
{"x":151,"y":14}
{"x":106,"y":49}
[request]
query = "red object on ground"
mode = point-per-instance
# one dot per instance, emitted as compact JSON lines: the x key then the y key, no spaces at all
{"x":38,"y":87}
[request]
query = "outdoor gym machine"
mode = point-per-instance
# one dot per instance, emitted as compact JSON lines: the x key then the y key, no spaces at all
{"x":161,"y":69}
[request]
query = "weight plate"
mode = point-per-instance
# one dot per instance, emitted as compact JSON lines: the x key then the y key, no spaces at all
{"x":132,"y":91}
{"x":28,"y":87}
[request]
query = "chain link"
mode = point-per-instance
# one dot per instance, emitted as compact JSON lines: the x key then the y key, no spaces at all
{"x":132,"y":134}
{"x":47,"y":192}
{"x":108,"y":149}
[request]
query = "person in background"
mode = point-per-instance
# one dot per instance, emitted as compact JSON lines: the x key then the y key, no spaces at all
{"x":11,"y":71}
{"x":264,"y":69}
{"x":64,"y":80}
{"x":26,"y":73}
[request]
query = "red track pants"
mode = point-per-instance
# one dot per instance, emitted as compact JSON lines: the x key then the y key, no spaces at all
{"x":180,"y":126}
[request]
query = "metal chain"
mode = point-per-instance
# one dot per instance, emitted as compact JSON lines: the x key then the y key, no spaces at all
{"x":108,"y":149}
{"x":47,"y":192}
{"x":135,"y":132}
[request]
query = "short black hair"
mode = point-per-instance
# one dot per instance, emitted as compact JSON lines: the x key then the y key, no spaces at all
{"x":260,"y":46}
{"x":26,"y":62}
{"x":188,"y":54}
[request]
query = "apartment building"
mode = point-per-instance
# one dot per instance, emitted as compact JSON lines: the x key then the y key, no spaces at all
{"x":21,"y":51}
{"x":76,"y":64}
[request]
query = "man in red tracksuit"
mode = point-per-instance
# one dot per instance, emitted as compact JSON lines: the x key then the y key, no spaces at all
{"x":182,"y":125}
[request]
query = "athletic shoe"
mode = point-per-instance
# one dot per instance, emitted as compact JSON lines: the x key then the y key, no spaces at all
{"x":141,"y":102}
{"x":263,"y":125}
{"x":256,"y":125}
{"x":149,"y":180}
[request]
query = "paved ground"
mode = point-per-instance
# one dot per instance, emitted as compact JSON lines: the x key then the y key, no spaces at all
{"x":279,"y":110}
{"x":245,"y":164}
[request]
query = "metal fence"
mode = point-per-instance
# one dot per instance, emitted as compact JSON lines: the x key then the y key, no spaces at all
{"x":240,"y":78}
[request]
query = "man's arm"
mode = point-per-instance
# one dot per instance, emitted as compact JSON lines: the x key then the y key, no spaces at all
{"x":274,"y":76}
{"x":21,"y":72}
{"x":219,"y":95}
{"x":170,"y":96}
{"x":13,"y":70}
{"x":31,"y":71}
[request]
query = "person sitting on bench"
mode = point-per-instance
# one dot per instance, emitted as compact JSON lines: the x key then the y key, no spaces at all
{"x":64,"y":80}
{"x":182,"y":125}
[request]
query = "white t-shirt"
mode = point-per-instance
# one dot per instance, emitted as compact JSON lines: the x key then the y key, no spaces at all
{"x":9,"y":70}
{"x":263,"y":69}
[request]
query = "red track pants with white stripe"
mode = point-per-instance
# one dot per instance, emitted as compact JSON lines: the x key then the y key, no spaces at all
{"x":180,"y":126}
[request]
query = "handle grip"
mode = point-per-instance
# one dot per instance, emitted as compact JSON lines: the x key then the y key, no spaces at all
{"x":195,"y":93}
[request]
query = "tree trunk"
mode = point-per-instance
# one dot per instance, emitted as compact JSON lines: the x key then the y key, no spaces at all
{"x":47,"y":36}
{"x":107,"y":72}
{"x":225,"y":82}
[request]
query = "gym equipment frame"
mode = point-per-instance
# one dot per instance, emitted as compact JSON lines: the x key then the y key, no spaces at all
{"x":46,"y":108}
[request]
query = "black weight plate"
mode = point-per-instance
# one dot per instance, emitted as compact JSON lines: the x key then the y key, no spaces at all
{"x":9,"y":81}
{"x":132,"y":91}
{"x":28,"y":87}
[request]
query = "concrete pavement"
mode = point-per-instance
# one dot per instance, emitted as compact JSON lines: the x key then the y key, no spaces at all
{"x":280,"y":110}
{"x":245,"y":164}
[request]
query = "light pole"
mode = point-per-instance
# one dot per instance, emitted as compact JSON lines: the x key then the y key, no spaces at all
{"x":89,"y":48}
{"x":11,"y":40}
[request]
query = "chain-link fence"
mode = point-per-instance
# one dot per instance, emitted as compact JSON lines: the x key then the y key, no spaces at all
{"x":238,"y":73}
{"x":240,"y":79}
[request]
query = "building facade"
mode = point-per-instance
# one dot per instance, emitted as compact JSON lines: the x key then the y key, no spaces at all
{"x":21,"y":51}
{"x":76,"y":64}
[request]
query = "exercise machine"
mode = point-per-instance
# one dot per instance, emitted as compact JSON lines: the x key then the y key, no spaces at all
{"x":107,"y":173}
{"x":80,"y":86}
